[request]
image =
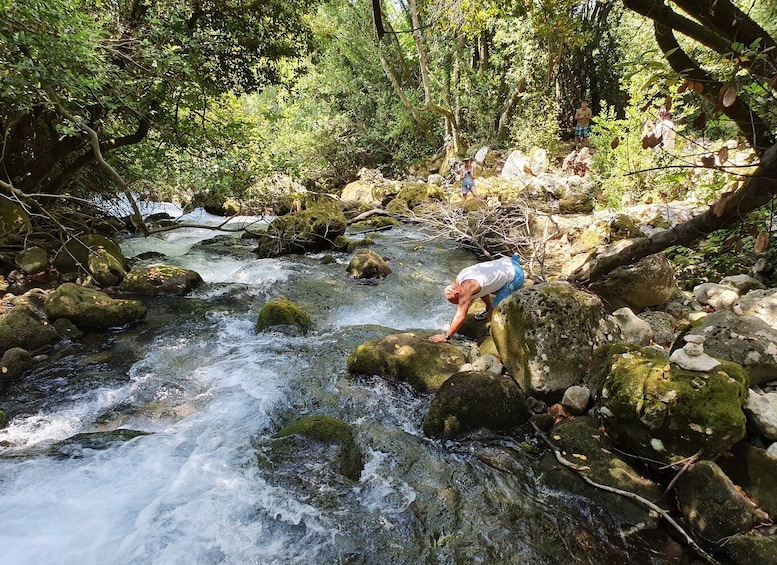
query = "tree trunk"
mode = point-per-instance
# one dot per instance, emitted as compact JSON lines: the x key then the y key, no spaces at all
{"x":756,"y":192}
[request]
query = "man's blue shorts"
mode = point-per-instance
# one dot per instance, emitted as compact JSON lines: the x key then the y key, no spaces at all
{"x":582,"y":131}
{"x":512,"y":286}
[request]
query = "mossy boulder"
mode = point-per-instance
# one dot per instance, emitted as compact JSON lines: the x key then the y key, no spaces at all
{"x":475,"y":399}
{"x":663,"y":412}
{"x":712,"y":505}
{"x":407,"y":357}
{"x":581,"y":442}
{"x":281,"y":313}
{"x":14,"y":364}
{"x":160,"y":279}
{"x":32,"y":260}
{"x":14,"y":222}
{"x":74,"y":256}
{"x":366,"y":264}
{"x":333,"y":431}
{"x":546,"y":333}
{"x":312,"y":229}
{"x":106,"y":268}
{"x":92,"y":309}
{"x":21,"y":327}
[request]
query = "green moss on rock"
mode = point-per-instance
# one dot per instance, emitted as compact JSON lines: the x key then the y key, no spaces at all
{"x":326,"y":429}
{"x":282,"y":312}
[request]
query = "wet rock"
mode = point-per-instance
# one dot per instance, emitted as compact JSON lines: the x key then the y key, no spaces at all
{"x":281,"y":313}
{"x":92,"y":309}
{"x":752,"y":550}
{"x":752,"y":469}
{"x":407,"y":357}
{"x":73,"y":257}
{"x":333,"y":431}
{"x":367,"y":264}
{"x":477,"y":399}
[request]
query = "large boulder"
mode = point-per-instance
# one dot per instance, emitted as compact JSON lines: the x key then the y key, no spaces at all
{"x":371,"y":189}
{"x":545,"y":334}
{"x":407,"y":357}
{"x":21,"y":327}
{"x":475,"y":399}
{"x":311,"y":229}
{"x":663,"y":412}
{"x":14,"y":363}
{"x":92,"y":309}
{"x":746,"y":340}
{"x":280,"y":313}
{"x":648,"y":282}
{"x":367,"y":264}
{"x":160,"y":279}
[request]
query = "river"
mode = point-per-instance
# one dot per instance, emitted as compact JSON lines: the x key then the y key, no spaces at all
{"x":201,"y":484}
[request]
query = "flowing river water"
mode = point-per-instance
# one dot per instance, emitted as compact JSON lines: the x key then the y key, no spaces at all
{"x":200,"y":484}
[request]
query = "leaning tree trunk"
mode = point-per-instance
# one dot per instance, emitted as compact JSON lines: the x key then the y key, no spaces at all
{"x":757,"y":191}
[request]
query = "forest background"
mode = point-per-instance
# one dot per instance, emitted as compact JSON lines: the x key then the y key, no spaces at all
{"x":172,"y":98}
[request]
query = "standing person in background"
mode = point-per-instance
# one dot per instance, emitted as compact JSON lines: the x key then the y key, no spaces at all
{"x":664,"y":130}
{"x":467,"y":176}
{"x":582,"y":122}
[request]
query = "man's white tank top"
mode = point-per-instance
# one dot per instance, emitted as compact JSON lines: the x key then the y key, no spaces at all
{"x":491,"y":275}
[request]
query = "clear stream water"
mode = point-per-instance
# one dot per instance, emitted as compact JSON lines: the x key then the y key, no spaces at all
{"x":202,"y":484}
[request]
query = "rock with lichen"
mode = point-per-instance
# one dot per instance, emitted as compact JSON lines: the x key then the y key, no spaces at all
{"x":662,"y":411}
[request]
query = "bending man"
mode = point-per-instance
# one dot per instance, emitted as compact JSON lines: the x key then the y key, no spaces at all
{"x":500,"y":277}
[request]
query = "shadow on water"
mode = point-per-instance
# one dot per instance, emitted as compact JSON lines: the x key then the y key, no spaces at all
{"x":155,"y":444}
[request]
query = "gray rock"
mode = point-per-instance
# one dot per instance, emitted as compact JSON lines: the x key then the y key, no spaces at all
{"x":633,"y":328}
{"x":663,"y":325}
{"x":742,"y":283}
{"x":576,"y":399}
{"x":761,"y":303}
{"x":648,"y":282}
{"x":718,"y":296}
{"x":761,"y":412}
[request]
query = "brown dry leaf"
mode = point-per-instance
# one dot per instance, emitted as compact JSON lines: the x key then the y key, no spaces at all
{"x":698,"y":87}
{"x":773,"y":82}
{"x":739,"y":246}
{"x":720,"y":206}
{"x":668,"y":103}
{"x":5,"y":369}
{"x":650,"y":141}
{"x":729,"y":96}
{"x":579,"y":456}
{"x":701,"y":121}
{"x":645,"y":107}
{"x":761,"y":243}
{"x":615,"y":142}
{"x":683,"y":87}
{"x":557,"y":437}
{"x":708,"y":161}
{"x":722,"y":154}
